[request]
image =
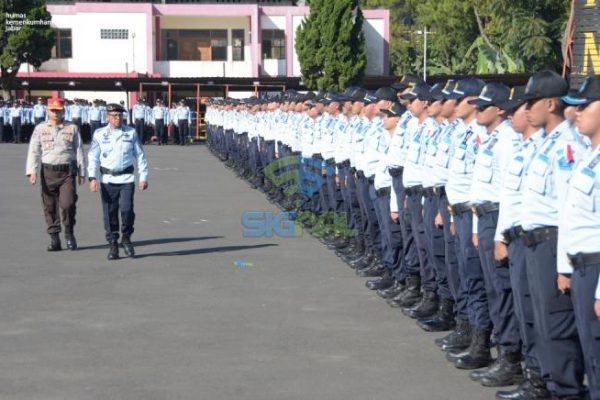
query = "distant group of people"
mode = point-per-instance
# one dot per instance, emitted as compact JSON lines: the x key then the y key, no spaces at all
{"x":19,"y":117}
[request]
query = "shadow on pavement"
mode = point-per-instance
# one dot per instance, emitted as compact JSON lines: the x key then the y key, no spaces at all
{"x":150,"y":242}
{"x":203,"y":250}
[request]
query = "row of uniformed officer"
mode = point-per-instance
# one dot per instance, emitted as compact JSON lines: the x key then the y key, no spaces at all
{"x":456,"y":203}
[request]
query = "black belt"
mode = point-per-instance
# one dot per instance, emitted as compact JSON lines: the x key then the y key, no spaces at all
{"x":414,"y":190}
{"x":428,"y":192}
{"x":384,"y":191}
{"x":513,"y":233}
{"x":396,"y":172}
{"x":485,"y":208}
{"x":581,"y":260}
{"x":330,"y":161}
{"x":318,"y":156}
{"x":106,"y":171}
{"x":57,"y":167}
{"x":269,"y":141}
{"x":296,"y":153}
{"x":137,"y":119}
{"x":439,"y":191}
{"x":459,"y":209}
{"x":539,"y":235}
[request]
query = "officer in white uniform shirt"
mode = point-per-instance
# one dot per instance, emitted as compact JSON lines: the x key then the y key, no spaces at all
{"x":579,"y":234}
{"x":546,"y":184}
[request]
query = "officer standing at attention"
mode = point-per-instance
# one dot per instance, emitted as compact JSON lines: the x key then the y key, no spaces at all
{"x":96,"y":117}
{"x":184,"y":120}
{"x":160,"y":117}
{"x":114,"y":150}
{"x":579,"y":235}
{"x":16,"y":119}
{"x":545,"y":188}
{"x":140,"y":116}
{"x":39,"y":112}
{"x":58,"y":145}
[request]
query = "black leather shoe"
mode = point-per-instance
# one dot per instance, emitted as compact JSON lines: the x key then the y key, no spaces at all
{"x":410,"y":296}
{"x":391,"y":291}
{"x":505,"y":371}
{"x":443,"y":320}
{"x":532,"y":388}
{"x":127,"y":246}
{"x":54,"y":243}
{"x":426,"y":308}
{"x":71,"y":241}
{"x":375,"y":263}
{"x":478,"y":354}
{"x":385,"y":281}
{"x":364,"y":261}
{"x":113,"y":252}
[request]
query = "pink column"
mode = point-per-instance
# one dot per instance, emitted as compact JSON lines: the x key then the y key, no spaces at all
{"x":255,"y":32}
{"x":289,"y":45}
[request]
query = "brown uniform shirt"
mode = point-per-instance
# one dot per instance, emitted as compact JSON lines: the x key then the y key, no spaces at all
{"x":55,"y":145}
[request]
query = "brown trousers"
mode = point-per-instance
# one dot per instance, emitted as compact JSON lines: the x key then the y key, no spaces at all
{"x":58,"y":191}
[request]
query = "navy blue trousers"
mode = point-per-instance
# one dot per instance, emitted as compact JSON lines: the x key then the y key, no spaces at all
{"x":415,"y":209}
{"x":436,"y":247}
{"x":457,"y":286}
{"x":522,"y":299}
{"x":117,"y":199}
{"x":469,"y":267}
{"x":498,"y":287}
{"x":554,"y":320}
{"x":583,"y":286}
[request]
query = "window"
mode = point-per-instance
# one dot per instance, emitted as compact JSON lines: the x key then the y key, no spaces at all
{"x":273,"y":44}
{"x":237,"y":36}
{"x":114,"y":34}
{"x":194,"y":44}
{"x":62,"y":46}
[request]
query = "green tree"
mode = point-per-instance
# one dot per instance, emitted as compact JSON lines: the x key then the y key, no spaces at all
{"x":330,"y":45}
{"x":29,"y":44}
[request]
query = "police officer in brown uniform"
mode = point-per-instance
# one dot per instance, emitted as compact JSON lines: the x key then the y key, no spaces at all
{"x":57,"y":145}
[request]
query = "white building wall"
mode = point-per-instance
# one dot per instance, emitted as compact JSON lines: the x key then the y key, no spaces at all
{"x":296,"y":21}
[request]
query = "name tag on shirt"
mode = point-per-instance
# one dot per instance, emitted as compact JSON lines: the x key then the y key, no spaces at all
{"x":584,"y":181}
{"x":540,"y":164}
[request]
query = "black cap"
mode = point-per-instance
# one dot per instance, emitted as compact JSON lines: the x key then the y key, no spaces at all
{"x":545,"y":84}
{"x":588,"y":92}
{"x":449,"y":87}
{"x":395,"y":111}
{"x":359,"y":95}
{"x":370,"y":98}
{"x":408,"y":80}
{"x":386,"y":93}
{"x":466,"y":87}
{"x":436,"y":92}
{"x":492,"y":94}
{"x":516,"y":98}
{"x":349,"y":90}
{"x":113,"y":107}
{"x":421,"y":91}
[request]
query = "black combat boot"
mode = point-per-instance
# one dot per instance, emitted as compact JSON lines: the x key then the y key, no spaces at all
{"x":54,"y":243}
{"x":71,"y":241}
{"x":411,"y":294}
{"x":478,"y":354}
{"x":127,"y":246}
{"x":532,"y":388}
{"x":443,"y":320}
{"x":426,"y":308}
{"x":392,"y":291}
{"x":113,"y":252}
{"x":460,"y":339}
{"x":505,"y":371}
{"x":385,"y":281}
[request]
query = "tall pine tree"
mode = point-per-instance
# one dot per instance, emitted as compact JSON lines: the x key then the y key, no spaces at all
{"x":330,"y":45}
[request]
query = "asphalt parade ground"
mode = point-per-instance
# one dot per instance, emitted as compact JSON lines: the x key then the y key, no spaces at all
{"x":202,"y":312}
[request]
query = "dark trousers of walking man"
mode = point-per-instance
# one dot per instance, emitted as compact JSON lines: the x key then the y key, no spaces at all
{"x":58,"y":194}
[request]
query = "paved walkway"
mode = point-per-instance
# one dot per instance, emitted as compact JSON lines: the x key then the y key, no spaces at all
{"x":183,"y":321}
